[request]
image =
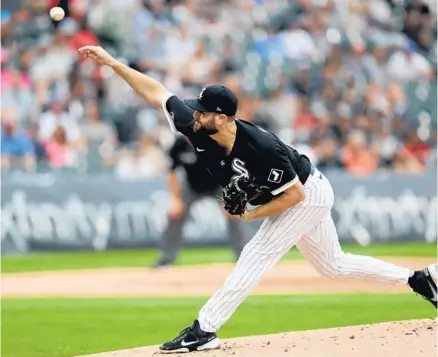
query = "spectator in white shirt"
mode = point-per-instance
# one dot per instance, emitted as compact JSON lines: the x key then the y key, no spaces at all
{"x":55,"y":117}
{"x":298,"y":44}
{"x":407,"y":65}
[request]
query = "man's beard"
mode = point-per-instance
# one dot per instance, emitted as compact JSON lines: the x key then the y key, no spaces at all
{"x":209,"y":131}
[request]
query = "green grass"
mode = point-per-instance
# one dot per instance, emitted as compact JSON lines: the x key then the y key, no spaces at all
{"x":144,"y":258}
{"x":68,"y":327}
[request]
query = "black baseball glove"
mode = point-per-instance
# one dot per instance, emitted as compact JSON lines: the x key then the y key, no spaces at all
{"x":238,"y":193}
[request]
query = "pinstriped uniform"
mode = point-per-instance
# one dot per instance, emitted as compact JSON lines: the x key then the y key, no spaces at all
{"x":309,"y":227}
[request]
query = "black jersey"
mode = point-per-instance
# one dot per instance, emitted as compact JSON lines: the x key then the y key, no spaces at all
{"x":183,"y":154}
{"x":257,"y":152}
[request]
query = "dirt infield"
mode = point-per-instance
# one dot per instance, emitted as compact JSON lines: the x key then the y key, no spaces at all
{"x":414,"y":338}
{"x":291,"y":277}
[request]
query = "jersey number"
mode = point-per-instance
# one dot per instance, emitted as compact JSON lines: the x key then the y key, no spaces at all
{"x":238,"y":167}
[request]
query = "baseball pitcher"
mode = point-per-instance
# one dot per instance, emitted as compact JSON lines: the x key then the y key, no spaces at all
{"x":288,"y":192}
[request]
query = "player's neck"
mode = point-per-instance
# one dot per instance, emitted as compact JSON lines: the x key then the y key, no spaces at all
{"x":227,"y":136}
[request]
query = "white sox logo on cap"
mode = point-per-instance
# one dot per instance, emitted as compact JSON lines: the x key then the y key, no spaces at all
{"x":214,"y":98}
{"x":202,"y":92}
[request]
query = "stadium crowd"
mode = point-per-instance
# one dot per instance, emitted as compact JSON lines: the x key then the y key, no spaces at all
{"x":350,"y":83}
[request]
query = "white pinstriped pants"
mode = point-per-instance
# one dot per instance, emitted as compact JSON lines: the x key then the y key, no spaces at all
{"x":310,"y":227}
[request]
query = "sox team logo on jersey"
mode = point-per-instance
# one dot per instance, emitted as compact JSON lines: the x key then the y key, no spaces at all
{"x":238,"y":166}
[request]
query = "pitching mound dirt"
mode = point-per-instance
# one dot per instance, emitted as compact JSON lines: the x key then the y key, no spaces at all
{"x":412,"y":338}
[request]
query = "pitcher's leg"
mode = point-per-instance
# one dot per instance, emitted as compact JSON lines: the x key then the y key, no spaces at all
{"x":274,"y":239}
{"x":238,"y":235}
{"x":249,"y":269}
{"x":321,"y":247}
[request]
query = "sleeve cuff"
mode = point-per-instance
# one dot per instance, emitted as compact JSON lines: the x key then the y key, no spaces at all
{"x":169,"y":117}
{"x":285,"y":186}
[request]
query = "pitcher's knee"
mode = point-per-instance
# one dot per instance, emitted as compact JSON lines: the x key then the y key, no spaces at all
{"x":333,"y":268}
{"x":334,"y":272}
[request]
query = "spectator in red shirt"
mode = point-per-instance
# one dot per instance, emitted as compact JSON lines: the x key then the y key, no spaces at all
{"x":416,"y":147}
{"x":305,"y":121}
{"x":59,"y":153}
{"x":78,"y":34}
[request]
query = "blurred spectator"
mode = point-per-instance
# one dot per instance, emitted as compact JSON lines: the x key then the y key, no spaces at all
{"x":17,"y":91}
{"x":99,"y":137}
{"x":200,"y":67}
{"x":95,"y":131}
{"x":278,"y":109}
{"x":78,"y":36}
{"x":416,"y":148}
{"x":60,"y":153}
{"x":57,"y":116}
{"x":40,"y":151}
{"x":17,"y":150}
{"x":298,"y":44}
{"x":375,"y":64}
{"x":406,"y":64}
{"x":327,"y":154}
{"x":305,"y":122}
{"x":387,"y":146}
{"x":145,"y":160}
{"x":417,"y":16}
{"x":406,"y":163}
{"x":357,"y":158}
{"x":5,"y":33}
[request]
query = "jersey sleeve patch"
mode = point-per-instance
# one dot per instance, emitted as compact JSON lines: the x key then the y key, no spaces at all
{"x":275,"y":175}
{"x":280,"y":174}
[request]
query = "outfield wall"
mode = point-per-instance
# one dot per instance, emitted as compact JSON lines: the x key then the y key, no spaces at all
{"x":55,"y":212}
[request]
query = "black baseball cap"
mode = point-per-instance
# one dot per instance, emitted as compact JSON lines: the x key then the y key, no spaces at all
{"x":215,"y":99}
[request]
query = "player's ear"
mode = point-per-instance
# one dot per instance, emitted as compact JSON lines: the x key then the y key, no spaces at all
{"x":196,"y":115}
{"x":223,"y":118}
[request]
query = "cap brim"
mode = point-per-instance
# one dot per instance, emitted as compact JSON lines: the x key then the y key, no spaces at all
{"x":196,"y":105}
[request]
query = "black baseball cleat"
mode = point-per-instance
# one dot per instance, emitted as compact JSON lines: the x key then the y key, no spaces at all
{"x":424,"y":282}
{"x":192,"y":339}
{"x":162,"y":263}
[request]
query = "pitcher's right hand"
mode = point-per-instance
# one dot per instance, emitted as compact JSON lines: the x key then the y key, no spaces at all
{"x":98,"y":54}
